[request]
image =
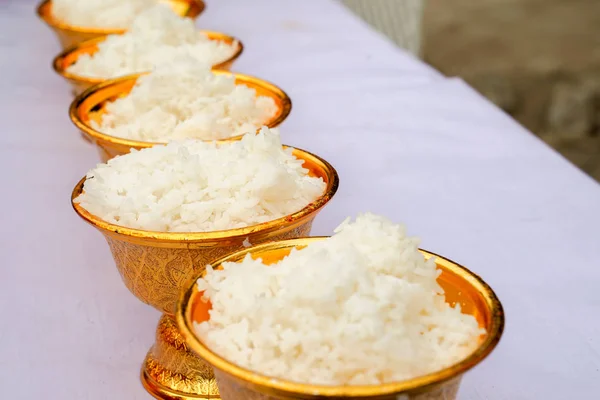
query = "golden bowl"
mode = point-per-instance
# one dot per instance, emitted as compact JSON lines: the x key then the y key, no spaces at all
{"x":70,"y":35}
{"x":235,"y":382}
{"x":155,"y":265}
{"x":80,"y":83}
{"x":91,"y":104}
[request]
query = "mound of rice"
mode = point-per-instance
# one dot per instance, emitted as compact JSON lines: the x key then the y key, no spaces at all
{"x":362,"y":307}
{"x":184,"y":99}
{"x":156,"y":35}
{"x":115,"y":14}
{"x":196,"y":186}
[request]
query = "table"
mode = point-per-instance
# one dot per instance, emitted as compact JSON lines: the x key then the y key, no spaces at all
{"x":407,"y":143}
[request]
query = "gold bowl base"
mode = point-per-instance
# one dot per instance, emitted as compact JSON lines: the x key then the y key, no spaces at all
{"x":171,"y":371}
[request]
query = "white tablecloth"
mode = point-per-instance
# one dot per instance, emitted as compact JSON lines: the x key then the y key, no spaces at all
{"x":406,"y":142}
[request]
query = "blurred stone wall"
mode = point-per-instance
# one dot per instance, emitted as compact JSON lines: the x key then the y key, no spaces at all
{"x":539,"y":60}
{"x":401,"y":20}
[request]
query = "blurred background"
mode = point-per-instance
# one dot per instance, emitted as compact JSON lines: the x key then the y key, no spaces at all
{"x":538,"y":60}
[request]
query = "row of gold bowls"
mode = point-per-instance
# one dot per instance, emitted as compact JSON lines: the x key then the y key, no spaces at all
{"x":154,"y":265}
{"x":157,"y":266}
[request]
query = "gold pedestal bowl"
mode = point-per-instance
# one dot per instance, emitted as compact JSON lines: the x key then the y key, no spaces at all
{"x":80,"y":83}
{"x":155,"y":265}
{"x":235,"y":382}
{"x":91,"y":105}
{"x":69,"y":35}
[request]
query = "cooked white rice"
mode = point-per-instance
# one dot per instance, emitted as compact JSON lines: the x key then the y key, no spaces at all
{"x":115,"y":14}
{"x":362,"y":307}
{"x":184,"y":99}
{"x":196,"y":186}
{"x":156,"y":35}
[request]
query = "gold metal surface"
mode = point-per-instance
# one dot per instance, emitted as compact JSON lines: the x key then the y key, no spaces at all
{"x":91,"y":105}
{"x":81,"y":83}
{"x":172,"y":371}
{"x":70,"y":35}
{"x":460,"y":285}
{"x":155,"y":265}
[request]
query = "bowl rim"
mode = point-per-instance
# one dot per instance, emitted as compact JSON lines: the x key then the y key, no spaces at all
{"x":57,"y":62}
{"x":51,"y":21}
{"x":275,"y":91}
{"x":209,"y":237}
{"x":183,"y":317}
